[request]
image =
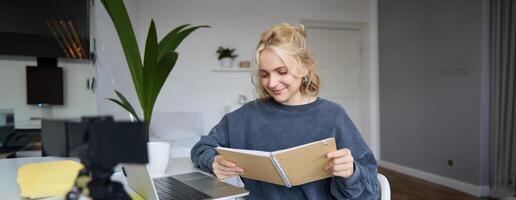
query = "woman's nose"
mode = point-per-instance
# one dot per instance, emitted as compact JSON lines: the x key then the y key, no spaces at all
{"x":273,"y":81}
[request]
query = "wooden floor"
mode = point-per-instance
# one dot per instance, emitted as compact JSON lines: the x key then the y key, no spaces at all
{"x":404,"y":187}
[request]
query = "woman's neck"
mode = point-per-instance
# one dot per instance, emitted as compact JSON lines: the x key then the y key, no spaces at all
{"x":300,"y":100}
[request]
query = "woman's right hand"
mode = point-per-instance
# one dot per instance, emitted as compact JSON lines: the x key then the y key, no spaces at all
{"x":224,"y":169}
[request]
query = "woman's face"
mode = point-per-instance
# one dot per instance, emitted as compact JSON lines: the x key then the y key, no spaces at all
{"x":278,"y":81}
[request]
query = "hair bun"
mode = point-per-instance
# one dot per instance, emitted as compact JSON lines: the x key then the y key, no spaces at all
{"x":301,"y":29}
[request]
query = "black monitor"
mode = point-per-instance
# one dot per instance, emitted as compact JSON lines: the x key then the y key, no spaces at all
{"x":44,"y":86}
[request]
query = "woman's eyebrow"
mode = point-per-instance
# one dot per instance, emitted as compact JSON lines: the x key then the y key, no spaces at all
{"x":281,"y":68}
{"x":275,"y":69}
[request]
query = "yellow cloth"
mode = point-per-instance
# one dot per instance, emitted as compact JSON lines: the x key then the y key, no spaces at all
{"x":46,"y":179}
{"x":135,"y":196}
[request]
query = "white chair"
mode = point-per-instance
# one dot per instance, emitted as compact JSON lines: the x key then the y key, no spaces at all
{"x":385,"y":187}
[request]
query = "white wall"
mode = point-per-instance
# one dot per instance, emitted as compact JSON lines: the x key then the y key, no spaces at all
{"x":78,"y":100}
{"x":235,"y":23}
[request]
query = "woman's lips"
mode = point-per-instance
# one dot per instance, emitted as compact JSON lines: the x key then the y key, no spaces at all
{"x":277,"y":92}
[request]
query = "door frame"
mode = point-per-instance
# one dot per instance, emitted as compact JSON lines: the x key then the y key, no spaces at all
{"x":369,"y":75}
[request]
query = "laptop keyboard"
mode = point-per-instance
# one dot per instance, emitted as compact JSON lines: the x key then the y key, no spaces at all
{"x":171,"y":188}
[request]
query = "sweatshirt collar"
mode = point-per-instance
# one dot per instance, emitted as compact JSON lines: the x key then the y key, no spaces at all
{"x":302,"y":107}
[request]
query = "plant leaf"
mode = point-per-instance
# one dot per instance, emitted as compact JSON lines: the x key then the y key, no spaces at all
{"x":125,"y":104}
{"x":174,"y":32}
{"x":168,"y":37}
{"x":166,"y":64}
{"x":118,"y":13}
{"x":172,"y":40}
{"x":149,"y":69}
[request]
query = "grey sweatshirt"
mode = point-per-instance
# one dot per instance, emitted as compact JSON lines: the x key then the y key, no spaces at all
{"x":270,"y":126}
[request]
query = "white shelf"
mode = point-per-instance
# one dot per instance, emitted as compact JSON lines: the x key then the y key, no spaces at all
{"x":234,"y":69}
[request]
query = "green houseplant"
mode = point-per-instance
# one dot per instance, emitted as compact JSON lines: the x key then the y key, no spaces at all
{"x":226,"y":56}
{"x":226,"y":53}
{"x":159,"y":59}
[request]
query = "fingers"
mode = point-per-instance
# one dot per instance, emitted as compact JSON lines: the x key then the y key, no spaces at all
{"x":339,"y":157}
{"x":224,"y":169}
{"x":339,"y":167}
{"x":345,"y":173}
{"x":338,"y":164}
{"x":343,"y":170}
{"x":339,"y":153}
{"x":221,"y":176}
{"x":220,"y":160}
{"x":341,"y":163}
{"x":341,"y":160}
{"x":225,"y":173}
{"x":226,"y":163}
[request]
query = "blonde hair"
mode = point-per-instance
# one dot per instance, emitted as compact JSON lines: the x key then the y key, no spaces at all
{"x":287,"y":41}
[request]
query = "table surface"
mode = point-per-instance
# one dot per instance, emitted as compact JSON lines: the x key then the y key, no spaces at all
{"x":8,"y":171}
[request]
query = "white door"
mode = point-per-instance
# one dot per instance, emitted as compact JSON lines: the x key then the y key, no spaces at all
{"x":337,"y":53}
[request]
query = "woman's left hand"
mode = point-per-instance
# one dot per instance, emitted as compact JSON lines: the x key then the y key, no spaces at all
{"x":341,"y":163}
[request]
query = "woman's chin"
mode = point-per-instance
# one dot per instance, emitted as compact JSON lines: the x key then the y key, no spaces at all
{"x":279,"y":99}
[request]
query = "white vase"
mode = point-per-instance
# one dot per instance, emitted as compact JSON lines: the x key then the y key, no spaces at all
{"x":159,"y":155}
{"x":226,"y":62}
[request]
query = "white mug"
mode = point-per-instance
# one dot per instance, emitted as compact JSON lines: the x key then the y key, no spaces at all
{"x":159,"y":153}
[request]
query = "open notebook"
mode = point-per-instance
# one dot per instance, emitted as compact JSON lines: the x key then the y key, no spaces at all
{"x":289,"y":167}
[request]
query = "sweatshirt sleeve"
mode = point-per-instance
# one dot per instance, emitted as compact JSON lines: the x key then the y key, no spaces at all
{"x":203,"y":153}
{"x":363,"y":184}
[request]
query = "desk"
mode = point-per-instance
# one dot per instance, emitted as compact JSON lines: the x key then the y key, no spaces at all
{"x":8,"y":171}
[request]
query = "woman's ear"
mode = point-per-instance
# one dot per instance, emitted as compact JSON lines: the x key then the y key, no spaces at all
{"x":304,"y":71}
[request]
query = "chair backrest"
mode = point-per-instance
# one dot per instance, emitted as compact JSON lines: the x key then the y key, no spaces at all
{"x":61,"y":137}
{"x":385,"y":187}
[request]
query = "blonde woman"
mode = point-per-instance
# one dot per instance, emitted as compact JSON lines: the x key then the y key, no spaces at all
{"x":286,"y":114}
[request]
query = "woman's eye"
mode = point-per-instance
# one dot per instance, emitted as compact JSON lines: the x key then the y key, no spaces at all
{"x":283,"y":72}
{"x":264,"y":75}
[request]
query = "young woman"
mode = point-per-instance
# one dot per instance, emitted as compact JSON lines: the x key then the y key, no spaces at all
{"x":289,"y":113}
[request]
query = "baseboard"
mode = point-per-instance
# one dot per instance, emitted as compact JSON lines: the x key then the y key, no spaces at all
{"x":475,"y":190}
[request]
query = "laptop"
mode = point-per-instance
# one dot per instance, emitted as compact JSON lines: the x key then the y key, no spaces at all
{"x":191,"y":186}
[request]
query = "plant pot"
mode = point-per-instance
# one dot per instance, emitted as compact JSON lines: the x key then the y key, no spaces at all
{"x":226,"y":62}
{"x":159,"y":155}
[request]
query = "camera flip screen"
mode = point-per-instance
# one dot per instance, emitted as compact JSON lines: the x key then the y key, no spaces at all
{"x":118,"y":142}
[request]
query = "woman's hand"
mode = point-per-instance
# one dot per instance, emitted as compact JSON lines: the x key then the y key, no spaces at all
{"x":341,"y":163}
{"x":224,"y":169}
